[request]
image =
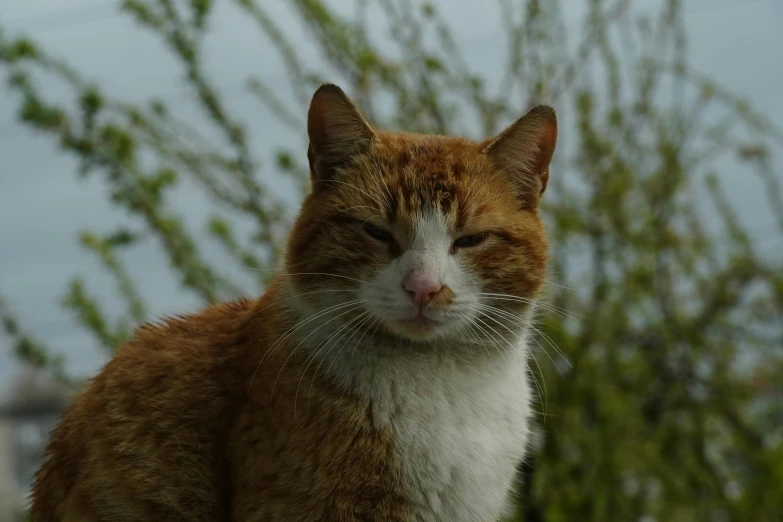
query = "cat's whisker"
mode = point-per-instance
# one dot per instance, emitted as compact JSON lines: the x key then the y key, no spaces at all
{"x":551,"y":343}
{"x":378,"y":320}
{"x":257,"y":312}
{"x":560,"y":312}
{"x":546,"y":337}
{"x":369,"y":218}
{"x":545,"y":401}
{"x":291,"y":331}
{"x":344,"y":328}
{"x":375,"y":330}
{"x":293,"y":351}
{"x":312,"y":381}
{"x":277,"y":269}
{"x":542,"y":399}
{"x":320,"y":347}
{"x":300,"y":294}
{"x":340,"y":276}
{"x":352,"y":325}
{"x":543,"y":380}
{"x":469,"y":191}
{"x":494,"y":341}
{"x":352,"y":304}
{"x":328,"y":370}
{"x":281,"y":340}
{"x":552,"y":283}
{"x":380,"y":176}
{"x":365,"y":163}
{"x":541,"y":304}
{"x":385,"y":193}
{"x":519,"y":321}
{"x":315,"y":351}
{"x":555,"y":347}
{"x":472,"y":329}
{"x":380,"y":205}
{"x":345,"y":210}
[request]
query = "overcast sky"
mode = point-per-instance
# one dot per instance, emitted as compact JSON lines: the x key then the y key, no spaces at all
{"x":43,"y":205}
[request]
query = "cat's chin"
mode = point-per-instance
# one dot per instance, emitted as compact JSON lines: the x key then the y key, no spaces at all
{"x":419,"y":328}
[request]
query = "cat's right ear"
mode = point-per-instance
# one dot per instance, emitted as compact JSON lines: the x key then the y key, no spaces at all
{"x":337,"y":133}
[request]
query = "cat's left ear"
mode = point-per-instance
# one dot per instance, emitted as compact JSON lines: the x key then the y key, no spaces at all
{"x":337,"y":132}
{"x":524,"y":150}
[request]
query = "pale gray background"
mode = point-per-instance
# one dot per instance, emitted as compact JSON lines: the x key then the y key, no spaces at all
{"x":43,"y":205}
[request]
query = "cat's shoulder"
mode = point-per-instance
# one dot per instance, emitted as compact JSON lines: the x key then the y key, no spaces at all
{"x":217,"y":320}
{"x":180,"y":345}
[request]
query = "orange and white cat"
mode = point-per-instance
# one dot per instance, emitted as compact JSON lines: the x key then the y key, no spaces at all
{"x":382,"y":376}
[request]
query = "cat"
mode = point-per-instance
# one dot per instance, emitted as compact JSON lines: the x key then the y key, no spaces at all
{"x":383,"y":374}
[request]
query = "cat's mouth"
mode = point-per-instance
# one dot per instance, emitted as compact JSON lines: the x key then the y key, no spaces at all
{"x":421,"y":321}
{"x":418,"y":326}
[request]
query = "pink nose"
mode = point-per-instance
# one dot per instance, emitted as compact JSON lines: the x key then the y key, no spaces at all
{"x":421,"y":287}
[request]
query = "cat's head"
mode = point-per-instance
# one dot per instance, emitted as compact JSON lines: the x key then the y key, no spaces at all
{"x":420,"y":237}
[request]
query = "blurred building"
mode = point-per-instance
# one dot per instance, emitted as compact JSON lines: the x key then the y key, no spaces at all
{"x":29,"y":410}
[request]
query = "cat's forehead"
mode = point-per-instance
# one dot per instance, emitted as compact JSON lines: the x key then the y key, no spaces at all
{"x":440,"y":160}
{"x":429,"y":174}
{"x":405,"y":177}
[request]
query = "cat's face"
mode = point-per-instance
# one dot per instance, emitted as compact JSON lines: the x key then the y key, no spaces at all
{"x":421,"y":237}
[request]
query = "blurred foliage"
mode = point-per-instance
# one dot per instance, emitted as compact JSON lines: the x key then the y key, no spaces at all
{"x":661,"y":388}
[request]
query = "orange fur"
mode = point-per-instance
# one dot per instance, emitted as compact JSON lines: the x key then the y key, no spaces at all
{"x":216,"y":416}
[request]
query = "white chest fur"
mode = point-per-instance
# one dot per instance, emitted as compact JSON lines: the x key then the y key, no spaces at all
{"x":460,"y":427}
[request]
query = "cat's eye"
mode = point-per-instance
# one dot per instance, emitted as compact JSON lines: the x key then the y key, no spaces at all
{"x":470,"y":240}
{"x":378,"y":233}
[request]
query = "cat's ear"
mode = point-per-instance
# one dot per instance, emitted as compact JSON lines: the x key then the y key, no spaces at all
{"x":524,"y":151}
{"x":337,"y":133}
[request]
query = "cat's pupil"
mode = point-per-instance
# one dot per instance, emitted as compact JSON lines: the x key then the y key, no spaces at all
{"x":469,"y":241}
{"x":377,"y":233}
